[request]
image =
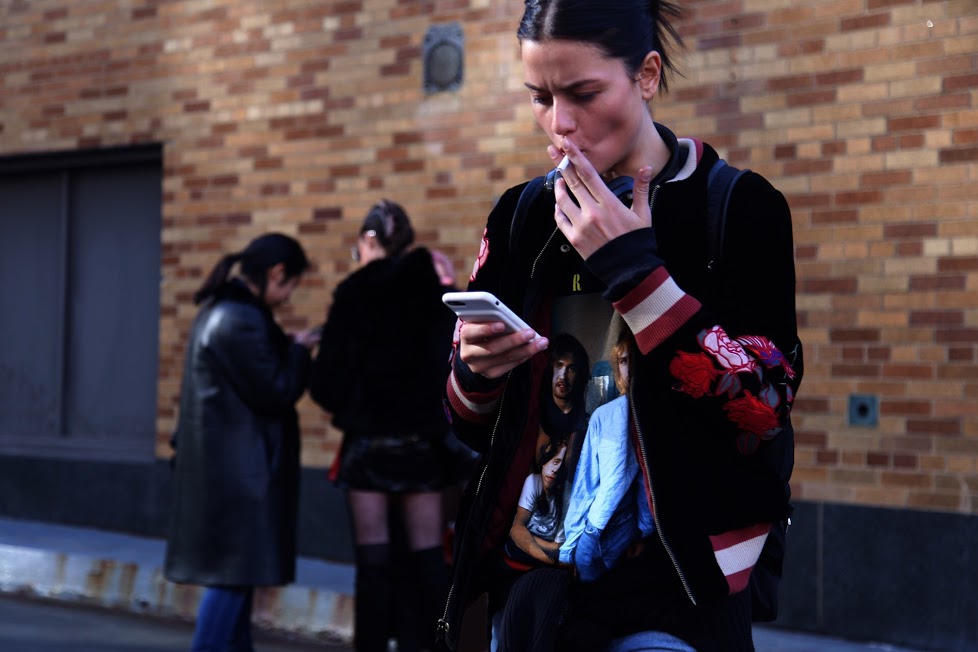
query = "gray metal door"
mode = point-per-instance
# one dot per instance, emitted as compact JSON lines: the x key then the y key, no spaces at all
{"x":79,"y":306}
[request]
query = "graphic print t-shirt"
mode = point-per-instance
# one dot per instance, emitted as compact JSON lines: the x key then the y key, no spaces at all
{"x":579,"y":379}
{"x":543,"y":524}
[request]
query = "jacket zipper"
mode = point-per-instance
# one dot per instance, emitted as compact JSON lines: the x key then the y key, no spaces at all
{"x":648,"y":473}
{"x":444,"y":628}
{"x":655,"y":512}
{"x":443,"y":625}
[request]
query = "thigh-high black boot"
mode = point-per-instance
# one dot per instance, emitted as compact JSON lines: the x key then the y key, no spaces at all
{"x":373,"y":617}
{"x":431,"y":580}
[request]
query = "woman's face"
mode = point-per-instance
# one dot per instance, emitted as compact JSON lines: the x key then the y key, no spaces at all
{"x":368,"y":248}
{"x":580,"y":93}
{"x":278,"y":288}
{"x":549,"y":471}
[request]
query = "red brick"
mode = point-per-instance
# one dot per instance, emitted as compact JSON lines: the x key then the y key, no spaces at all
{"x":878,"y":353}
{"x":908,"y":371}
{"x":954,"y":264}
{"x":827,"y":458}
{"x":913,"y":123}
{"x":874,"y":458}
{"x":827,"y":96}
{"x":855,"y":370}
{"x":912,"y":230}
{"x":934,"y":426}
{"x":962,"y":354}
{"x":911,"y":249}
{"x":902,"y":479}
{"x":958,"y":155}
{"x":829,"y":286}
{"x":806,"y":167}
{"x":942,"y":282}
{"x":944,"y":102}
{"x":794,"y":83}
{"x":905,"y":407}
{"x":864,"y":22}
{"x":958,"y":82}
{"x":839,"y":335}
{"x":839,"y":77}
{"x":730,"y":40}
{"x":885,"y":4}
{"x":834,"y":216}
{"x":956,"y":335}
{"x":858,"y":197}
{"x":936,"y":318}
{"x":815,"y":440}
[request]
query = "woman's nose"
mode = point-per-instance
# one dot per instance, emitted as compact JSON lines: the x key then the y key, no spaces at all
{"x":563,"y":121}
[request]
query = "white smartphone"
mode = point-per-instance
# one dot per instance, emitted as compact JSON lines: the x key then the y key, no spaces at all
{"x":482,"y":307}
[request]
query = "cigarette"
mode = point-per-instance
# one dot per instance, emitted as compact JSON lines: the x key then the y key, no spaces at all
{"x":564,"y":162}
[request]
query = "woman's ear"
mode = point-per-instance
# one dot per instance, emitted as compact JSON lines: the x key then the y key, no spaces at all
{"x":649,"y":75}
{"x":276,"y":274}
{"x":372,"y":250}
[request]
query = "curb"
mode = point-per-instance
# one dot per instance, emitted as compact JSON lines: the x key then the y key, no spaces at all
{"x":141,"y":589}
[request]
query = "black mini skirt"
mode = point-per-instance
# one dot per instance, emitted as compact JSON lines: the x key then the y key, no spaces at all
{"x":402,"y":463}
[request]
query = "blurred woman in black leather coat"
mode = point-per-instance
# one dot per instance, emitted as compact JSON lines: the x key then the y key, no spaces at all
{"x":236,"y":469}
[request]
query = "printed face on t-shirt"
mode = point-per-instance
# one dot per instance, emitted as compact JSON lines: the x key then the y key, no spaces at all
{"x":564,"y":376}
{"x":623,"y":365}
{"x":550,"y":469}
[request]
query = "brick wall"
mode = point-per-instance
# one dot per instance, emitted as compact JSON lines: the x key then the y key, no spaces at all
{"x":865,"y":114}
{"x":297,"y":115}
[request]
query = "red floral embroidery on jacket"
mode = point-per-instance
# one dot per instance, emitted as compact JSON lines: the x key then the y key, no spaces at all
{"x":752,"y":415}
{"x":726,"y":368}
{"x":729,"y":353}
{"x":695,"y":373}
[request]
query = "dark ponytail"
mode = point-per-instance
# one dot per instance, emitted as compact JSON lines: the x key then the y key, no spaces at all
{"x":622,"y":29}
{"x":261,"y":254}
{"x":216,"y":278}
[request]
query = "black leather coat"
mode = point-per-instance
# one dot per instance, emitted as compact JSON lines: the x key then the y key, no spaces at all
{"x":236,"y":471}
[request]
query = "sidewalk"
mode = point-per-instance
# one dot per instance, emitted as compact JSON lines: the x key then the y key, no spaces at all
{"x":124,"y":572}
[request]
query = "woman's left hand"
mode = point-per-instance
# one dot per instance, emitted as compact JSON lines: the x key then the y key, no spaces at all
{"x":601,"y":216}
{"x":309,"y":337}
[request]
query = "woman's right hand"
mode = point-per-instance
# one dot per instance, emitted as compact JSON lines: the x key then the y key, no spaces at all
{"x":490,"y":351}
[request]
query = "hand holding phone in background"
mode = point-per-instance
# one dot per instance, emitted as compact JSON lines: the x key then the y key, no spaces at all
{"x":309,"y":337}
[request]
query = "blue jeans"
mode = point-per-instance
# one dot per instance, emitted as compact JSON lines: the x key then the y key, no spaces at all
{"x":599,"y":551}
{"x":640,"y":642}
{"x":649,"y":642}
{"x":224,"y":620}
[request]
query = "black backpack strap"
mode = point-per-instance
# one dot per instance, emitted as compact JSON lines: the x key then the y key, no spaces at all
{"x":719,"y":187}
{"x":527,"y":197}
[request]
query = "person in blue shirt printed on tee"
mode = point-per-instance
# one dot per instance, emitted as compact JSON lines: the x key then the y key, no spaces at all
{"x":608,"y":509}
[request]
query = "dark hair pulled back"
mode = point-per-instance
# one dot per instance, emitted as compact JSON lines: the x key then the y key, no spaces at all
{"x":392,"y":226}
{"x":622,"y":29}
{"x":261,"y":254}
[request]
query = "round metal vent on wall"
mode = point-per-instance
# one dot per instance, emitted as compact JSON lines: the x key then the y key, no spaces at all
{"x":443,"y":58}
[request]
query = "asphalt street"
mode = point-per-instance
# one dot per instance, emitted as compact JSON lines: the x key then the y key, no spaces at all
{"x":28,"y":625}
